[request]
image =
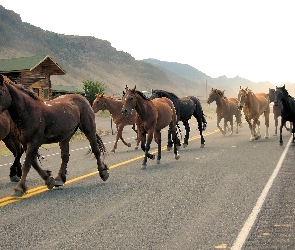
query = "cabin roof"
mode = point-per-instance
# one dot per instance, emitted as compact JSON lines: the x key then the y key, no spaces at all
{"x":29,"y":63}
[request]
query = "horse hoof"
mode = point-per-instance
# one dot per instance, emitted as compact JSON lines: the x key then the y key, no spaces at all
{"x":58,"y":183}
{"x":177,"y":156}
{"x":281,"y":143}
{"x":50,"y":182}
{"x":14,"y":178}
{"x":18,"y":193}
{"x":113,"y":150}
{"x":143,"y":166}
{"x":158,"y":162}
{"x":169,"y":148}
{"x":153,"y":157}
{"x":104,"y":174}
{"x":129,"y":145}
{"x":136,"y":148}
{"x":184,"y":145}
{"x":202,"y":145}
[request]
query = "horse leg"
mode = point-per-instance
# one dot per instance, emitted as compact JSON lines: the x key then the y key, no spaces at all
{"x":281,"y":129}
{"x":61,"y":178}
{"x":158,"y":141}
{"x":17,"y":150}
{"x":146,"y":149}
{"x":200,"y":128}
{"x":224,"y":126}
{"x":31,"y":159}
{"x":187,"y":131}
{"x":231,"y":122}
{"x":257,"y":134}
{"x":170,"y":143}
{"x":276,"y":125}
{"x":218,"y":126}
{"x":266,"y":117}
{"x":137,"y":139}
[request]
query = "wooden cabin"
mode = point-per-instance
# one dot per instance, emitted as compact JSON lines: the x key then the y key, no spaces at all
{"x":32,"y":72}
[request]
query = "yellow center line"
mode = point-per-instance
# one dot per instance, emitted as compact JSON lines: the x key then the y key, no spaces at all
{"x":40,"y":189}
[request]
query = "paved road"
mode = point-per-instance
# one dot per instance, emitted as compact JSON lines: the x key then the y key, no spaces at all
{"x":198,"y":202}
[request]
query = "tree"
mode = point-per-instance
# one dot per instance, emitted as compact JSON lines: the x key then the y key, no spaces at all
{"x":92,"y":88}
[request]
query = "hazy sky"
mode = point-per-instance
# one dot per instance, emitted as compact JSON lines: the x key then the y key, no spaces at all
{"x":252,"y":39}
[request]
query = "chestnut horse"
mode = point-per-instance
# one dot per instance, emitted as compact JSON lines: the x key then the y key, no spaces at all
{"x":226,"y":108}
{"x":41,"y":122}
{"x":8,"y":134}
{"x":152,"y":116}
{"x":277,"y":109}
{"x":114,"y":106}
{"x":254,"y":105}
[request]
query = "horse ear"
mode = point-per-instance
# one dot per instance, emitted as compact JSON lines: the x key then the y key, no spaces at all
{"x":134,"y":88}
{"x":123,"y":92}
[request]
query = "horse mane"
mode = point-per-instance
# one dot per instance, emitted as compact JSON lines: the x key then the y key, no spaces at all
{"x":22,"y":89}
{"x":141,"y":94}
{"x":165,"y":93}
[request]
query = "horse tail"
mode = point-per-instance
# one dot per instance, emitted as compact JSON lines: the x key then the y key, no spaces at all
{"x":100,"y":144}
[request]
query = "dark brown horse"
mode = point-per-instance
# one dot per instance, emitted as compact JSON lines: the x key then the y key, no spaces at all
{"x":152,"y":116}
{"x":8,"y":134}
{"x":254,"y":105}
{"x":114,"y":106}
{"x":41,"y":122}
{"x":277,"y":109}
{"x":226,"y":109}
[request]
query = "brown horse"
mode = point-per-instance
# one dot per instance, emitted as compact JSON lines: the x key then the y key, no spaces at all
{"x":54,"y":121}
{"x":226,"y":108}
{"x":152,"y":116}
{"x":8,"y":134}
{"x":277,"y":109}
{"x":114,"y":105}
{"x":253,"y":106}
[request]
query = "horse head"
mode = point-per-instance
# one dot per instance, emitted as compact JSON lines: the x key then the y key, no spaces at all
{"x":98,"y":103}
{"x":242,"y":97}
{"x":129,"y":101}
{"x":271,"y":94}
{"x":5,"y":97}
{"x":280,"y":94}
{"x":213,"y":95}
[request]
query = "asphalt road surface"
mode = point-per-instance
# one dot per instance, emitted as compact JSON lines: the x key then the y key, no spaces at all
{"x":231,"y":194}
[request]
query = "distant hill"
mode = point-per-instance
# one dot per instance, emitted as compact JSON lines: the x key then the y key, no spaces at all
{"x":89,"y":58}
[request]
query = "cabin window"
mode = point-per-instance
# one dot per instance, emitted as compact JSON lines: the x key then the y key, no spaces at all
{"x":36,"y":90}
{"x":46,"y":94}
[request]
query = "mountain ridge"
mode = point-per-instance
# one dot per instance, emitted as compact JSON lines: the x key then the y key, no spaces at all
{"x":90,"y":58}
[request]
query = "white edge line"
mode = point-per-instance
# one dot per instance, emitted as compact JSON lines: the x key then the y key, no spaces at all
{"x":243,"y":235}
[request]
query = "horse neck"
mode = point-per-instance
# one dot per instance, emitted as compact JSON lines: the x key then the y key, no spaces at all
{"x":20,"y":103}
{"x":251,"y":99}
{"x":114,"y":106}
{"x":288,"y":103}
{"x":142,"y":106}
{"x":220,"y":101}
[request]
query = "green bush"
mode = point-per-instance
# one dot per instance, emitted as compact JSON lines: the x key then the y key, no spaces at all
{"x":92,"y":88}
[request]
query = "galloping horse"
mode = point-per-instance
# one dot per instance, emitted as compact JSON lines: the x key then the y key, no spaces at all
{"x":277,"y":109}
{"x":226,"y":108}
{"x":186,"y":107}
{"x":288,"y":110}
{"x":253,"y":106}
{"x":114,"y":105}
{"x":8,"y":134}
{"x":152,"y":116}
{"x":54,"y":121}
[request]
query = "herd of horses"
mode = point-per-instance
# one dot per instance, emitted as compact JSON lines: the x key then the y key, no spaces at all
{"x":27,"y":122}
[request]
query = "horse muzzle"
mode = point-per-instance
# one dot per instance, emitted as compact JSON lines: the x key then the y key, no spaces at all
{"x":124,"y":111}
